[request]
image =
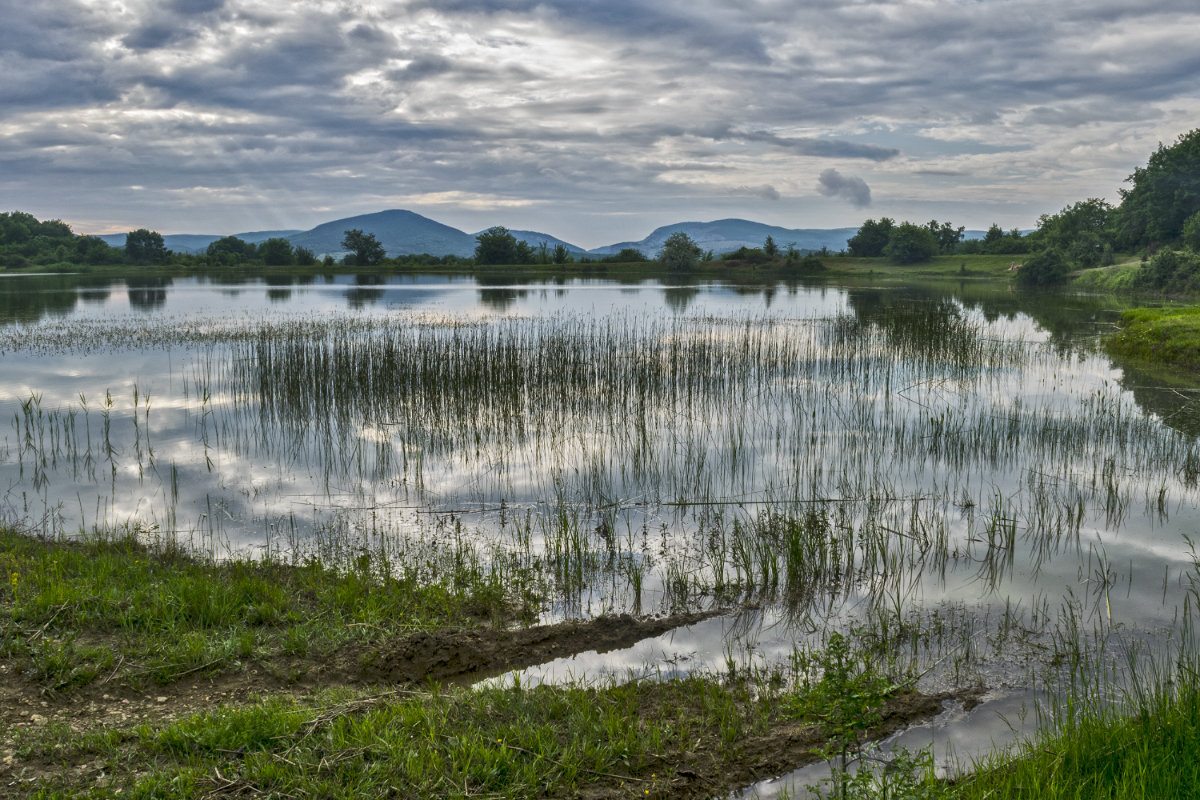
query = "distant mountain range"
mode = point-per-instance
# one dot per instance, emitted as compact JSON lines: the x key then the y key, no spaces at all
{"x":407,"y":233}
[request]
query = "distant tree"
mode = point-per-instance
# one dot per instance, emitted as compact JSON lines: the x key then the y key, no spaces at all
{"x":145,"y":247}
{"x":305,"y":257}
{"x":752,"y":255}
{"x":94,"y":250}
{"x":365,"y":249}
{"x":525,"y":253}
{"x":231,"y":245}
{"x":946,"y":234}
{"x":770,"y":248}
{"x":1164,"y":194}
{"x":627,"y":255}
{"x":908,"y":243}
{"x":496,"y":246}
{"x":679,"y":253}
{"x":276,"y":252}
{"x":871,"y":238}
{"x":561,"y":254}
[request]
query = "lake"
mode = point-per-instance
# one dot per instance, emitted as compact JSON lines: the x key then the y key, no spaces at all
{"x":958,"y":473}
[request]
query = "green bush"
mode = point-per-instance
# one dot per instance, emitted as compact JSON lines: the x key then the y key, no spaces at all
{"x":1043,"y":268}
{"x":1170,"y":271}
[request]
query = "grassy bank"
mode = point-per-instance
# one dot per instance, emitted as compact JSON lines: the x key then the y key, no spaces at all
{"x":141,"y":670}
{"x":1160,"y":336}
{"x":120,"y":610}
{"x":1148,"y":751}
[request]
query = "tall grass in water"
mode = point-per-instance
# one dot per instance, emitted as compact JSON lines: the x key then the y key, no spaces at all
{"x":755,"y":458}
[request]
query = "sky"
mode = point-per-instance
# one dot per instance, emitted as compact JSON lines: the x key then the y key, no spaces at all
{"x":593,"y":121}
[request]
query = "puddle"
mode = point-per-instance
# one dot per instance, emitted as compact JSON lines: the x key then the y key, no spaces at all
{"x":957,"y":738}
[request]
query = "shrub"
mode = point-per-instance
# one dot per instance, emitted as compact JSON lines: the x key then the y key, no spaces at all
{"x":1043,"y":268}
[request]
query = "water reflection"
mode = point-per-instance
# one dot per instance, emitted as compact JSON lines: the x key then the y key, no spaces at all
{"x":147,"y":294}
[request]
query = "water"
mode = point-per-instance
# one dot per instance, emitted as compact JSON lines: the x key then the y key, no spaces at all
{"x":958,"y":473}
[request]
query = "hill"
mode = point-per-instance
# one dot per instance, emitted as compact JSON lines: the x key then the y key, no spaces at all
{"x":400,"y":232}
{"x":724,"y":235}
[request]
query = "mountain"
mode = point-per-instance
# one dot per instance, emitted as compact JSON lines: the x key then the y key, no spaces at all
{"x":400,"y":232}
{"x":724,"y":235}
{"x":199,"y":242}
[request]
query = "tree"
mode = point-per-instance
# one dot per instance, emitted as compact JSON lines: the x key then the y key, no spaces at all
{"x":946,"y":234}
{"x":305,"y":257}
{"x":679,"y":253}
{"x":230,"y":249}
{"x":145,"y":247}
{"x":1163,"y":195}
{"x":871,"y":238}
{"x":770,"y":248}
{"x":627,"y":255}
{"x":1081,"y":231}
{"x":276,"y":252}
{"x":561,"y":254}
{"x":1191,"y":232}
{"x":365,"y":249}
{"x":497,"y":246}
{"x":94,"y":250}
{"x":908,"y":243}
{"x":524,"y":254}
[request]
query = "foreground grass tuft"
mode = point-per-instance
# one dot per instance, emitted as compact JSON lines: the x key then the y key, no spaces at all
{"x":117,"y":606}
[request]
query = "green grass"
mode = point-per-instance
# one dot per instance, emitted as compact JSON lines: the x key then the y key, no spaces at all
{"x":493,"y":742}
{"x":1104,"y":753}
{"x":121,"y":606}
{"x":1167,"y":336}
{"x":963,"y":266}
{"x":1117,"y":278}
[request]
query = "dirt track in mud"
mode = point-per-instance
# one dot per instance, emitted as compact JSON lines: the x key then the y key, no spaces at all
{"x":442,"y":656}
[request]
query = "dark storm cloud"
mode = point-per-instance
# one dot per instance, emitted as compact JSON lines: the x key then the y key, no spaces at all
{"x":824,"y":148}
{"x":848,"y":187}
{"x":195,"y":6}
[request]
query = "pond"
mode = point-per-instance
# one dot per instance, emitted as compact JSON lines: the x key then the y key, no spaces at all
{"x":956,"y":473}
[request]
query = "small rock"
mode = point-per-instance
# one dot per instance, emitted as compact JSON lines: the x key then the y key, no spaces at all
{"x":160,"y":699}
{"x":36,"y":719}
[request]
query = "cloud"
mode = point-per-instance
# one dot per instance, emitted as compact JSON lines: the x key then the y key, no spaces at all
{"x":671,"y":107}
{"x":849,"y":188}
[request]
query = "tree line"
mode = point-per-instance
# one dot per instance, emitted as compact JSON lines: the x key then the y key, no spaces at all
{"x":1158,"y":216}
